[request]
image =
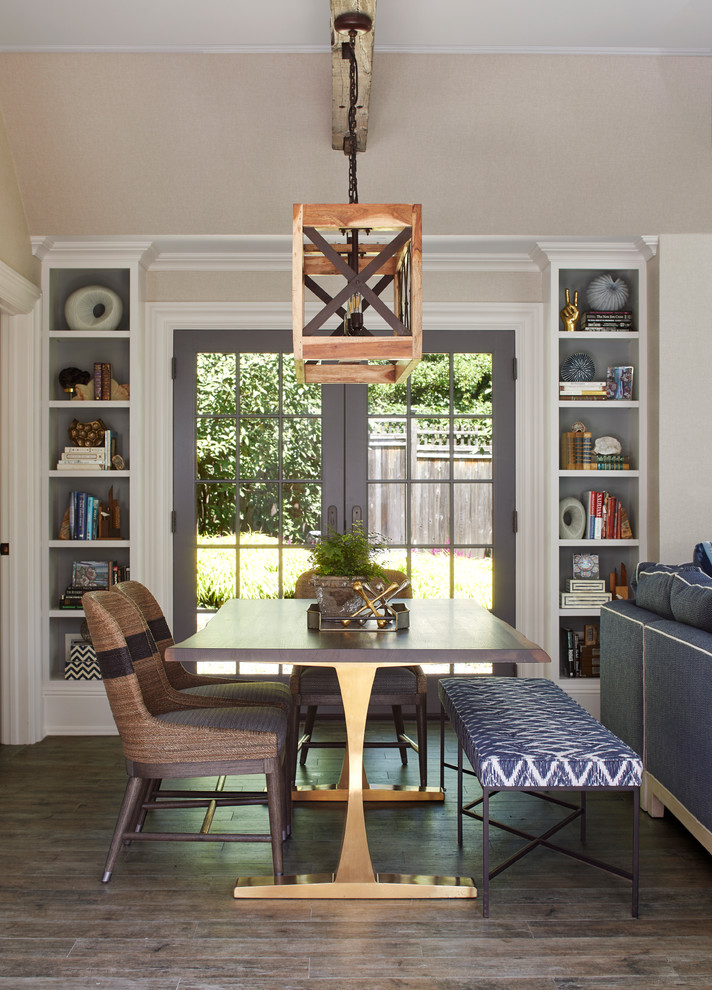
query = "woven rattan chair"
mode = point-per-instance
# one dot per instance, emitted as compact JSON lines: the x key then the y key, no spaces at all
{"x":170,"y":684}
{"x":392,"y":687}
{"x":231,"y":690}
{"x":180,"y":742}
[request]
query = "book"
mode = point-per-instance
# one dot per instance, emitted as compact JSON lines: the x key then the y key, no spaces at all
{"x":97,"y":380}
{"x":105,"y":381}
{"x":577,"y":451}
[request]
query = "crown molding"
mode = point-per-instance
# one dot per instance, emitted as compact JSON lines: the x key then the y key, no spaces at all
{"x":273,"y":252}
{"x":622,"y":251}
{"x":102,"y":250}
{"x":17,"y":294}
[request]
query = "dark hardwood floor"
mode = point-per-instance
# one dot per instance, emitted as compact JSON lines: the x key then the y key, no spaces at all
{"x":168,"y":921}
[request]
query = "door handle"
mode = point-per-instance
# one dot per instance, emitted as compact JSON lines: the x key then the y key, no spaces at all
{"x":356,"y":515}
{"x":332,"y":519}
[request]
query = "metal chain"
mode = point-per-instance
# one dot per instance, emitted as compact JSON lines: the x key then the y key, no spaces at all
{"x":353,"y":101}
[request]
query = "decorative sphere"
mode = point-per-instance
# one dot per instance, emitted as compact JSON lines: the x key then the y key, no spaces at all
{"x":607,"y":293}
{"x":578,"y":367}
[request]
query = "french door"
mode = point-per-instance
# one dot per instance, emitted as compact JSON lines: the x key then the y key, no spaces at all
{"x":262,"y":465}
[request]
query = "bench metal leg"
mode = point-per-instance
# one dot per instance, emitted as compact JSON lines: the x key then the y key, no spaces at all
{"x":459,"y":793}
{"x":485,"y":852}
{"x":635,"y":869}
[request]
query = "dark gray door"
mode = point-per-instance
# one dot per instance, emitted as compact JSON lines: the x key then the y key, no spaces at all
{"x":262,"y":464}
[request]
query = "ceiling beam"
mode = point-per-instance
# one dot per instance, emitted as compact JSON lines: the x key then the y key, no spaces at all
{"x":340,"y":74}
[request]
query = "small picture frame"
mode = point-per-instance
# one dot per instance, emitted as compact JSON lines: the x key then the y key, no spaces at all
{"x":619,"y":382}
{"x":585,"y":565}
{"x":590,"y":634}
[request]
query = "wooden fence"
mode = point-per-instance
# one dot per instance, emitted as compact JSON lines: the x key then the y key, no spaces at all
{"x":431,"y":504}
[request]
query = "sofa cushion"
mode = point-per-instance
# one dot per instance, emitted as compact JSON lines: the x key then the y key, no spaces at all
{"x":691,"y":600}
{"x":654,"y":584}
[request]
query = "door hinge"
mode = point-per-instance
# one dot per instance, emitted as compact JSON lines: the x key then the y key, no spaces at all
{"x":515,"y":521}
{"x":174,"y":369}
{"x":515,"y":369}
{"x":173,"y":520}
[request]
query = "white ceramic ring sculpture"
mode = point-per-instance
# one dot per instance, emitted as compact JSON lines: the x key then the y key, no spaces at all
{"x":572,"y":519}
{"x":93,"y":307}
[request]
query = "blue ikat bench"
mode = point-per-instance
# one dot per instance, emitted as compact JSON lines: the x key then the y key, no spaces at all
{"x":526,"y":734}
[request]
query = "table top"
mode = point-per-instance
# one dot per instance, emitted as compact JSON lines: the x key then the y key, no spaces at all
{"x":275,"y":630}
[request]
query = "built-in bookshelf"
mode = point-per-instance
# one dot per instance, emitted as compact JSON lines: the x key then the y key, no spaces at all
{"x":597,"y":383}
{"x":87,"y":496}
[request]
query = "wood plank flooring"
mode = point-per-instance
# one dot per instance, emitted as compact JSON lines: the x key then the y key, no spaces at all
{"x":168,"y":921}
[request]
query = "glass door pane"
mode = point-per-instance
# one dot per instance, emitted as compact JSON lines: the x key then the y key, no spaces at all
{"x":248,"y":471}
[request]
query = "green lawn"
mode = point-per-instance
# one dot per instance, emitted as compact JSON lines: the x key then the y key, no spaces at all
{"x":430,"y":571}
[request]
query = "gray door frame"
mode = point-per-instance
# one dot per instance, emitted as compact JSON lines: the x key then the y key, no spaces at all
{"x":345,"y":452}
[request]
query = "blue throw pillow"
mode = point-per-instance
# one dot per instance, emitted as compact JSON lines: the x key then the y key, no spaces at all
{"x":702,"y":555}
{"x":651,"y":565}
{"x":653,"y":592}
{"x":691,"y":600}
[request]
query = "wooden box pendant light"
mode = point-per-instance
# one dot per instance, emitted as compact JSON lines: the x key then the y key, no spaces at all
{"x":379,"y":241}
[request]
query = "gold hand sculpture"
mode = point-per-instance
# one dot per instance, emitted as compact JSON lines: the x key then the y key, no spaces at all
{"x":570,"y":312}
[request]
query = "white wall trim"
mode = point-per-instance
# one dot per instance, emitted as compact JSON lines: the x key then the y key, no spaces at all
{"x":624,"y":51}
{"x":525,"y":319}
{"x":17,"y":294}
{"x":21,"y":652}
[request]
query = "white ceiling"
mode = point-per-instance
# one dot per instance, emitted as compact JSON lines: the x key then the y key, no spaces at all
{"x":603,"y":26}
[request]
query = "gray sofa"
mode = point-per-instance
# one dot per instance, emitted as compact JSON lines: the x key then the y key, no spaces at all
{"x":656,"y":688}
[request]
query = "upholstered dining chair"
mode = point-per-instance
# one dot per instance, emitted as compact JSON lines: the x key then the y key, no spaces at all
{"x":392,"y":687}
{"x":177,"y":741}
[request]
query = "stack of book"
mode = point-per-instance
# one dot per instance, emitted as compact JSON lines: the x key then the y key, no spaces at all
{"x":584,"y":593}
{"x":89,"y":458}
{"x":582,"y":390}
{"x":91,"y":519}
{"x":91,"y":575}
{"x":599,"y":321}
{"x":577,"y":451}
{"x":612,"y":462}
{"x":606,"y":517}
{"x":102,"y":380}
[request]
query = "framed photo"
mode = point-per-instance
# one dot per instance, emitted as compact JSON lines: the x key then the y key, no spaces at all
{"x":619,"y":382}
{"x":585,"y":565}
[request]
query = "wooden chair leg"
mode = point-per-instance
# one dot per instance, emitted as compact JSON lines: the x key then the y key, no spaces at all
{"x":275,"y":804}
{"x":135,"y":787}
{"x":148,"y":792}
{"x":292,"y":743}
{"x":421,"y":720}
{"x":400,"y":731}
{"x":308,"y":729}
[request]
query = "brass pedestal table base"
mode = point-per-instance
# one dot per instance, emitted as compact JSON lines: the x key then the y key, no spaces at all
{"x":355,"y":877}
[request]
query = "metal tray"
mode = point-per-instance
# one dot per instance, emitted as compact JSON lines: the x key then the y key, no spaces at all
{"x":401,"y":620}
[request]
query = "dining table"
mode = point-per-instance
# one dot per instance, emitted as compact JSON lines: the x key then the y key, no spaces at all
{"x":278,"y":631}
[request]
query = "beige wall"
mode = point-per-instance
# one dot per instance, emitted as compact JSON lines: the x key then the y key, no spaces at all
{"x":15,"y":250}
{"x":685,"y":395}
{"x":490,"y":144}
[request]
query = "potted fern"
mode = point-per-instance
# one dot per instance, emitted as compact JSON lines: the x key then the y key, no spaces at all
{"x":339,"y":559}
